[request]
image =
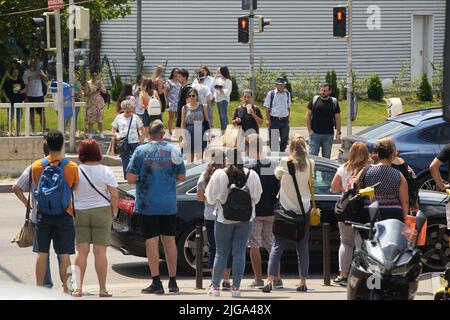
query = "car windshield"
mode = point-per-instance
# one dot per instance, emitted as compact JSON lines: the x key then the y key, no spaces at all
{"x":383,"y":129}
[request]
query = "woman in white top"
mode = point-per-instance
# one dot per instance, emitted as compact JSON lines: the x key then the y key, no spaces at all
{"x":136,"y":92}
{"x":298,"y":156}
{"x":120,"y":127}
{"x":148,"y":99}
{"x":231,"y":234}
{"x":96,"y":200}
{"x":223,"y":86}
{"x":358,"y":158}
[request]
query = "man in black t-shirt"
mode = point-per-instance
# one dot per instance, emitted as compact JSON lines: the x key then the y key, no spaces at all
{"x":183,"y":77}
{"x":261,"y":235}
{"x":442,"y":157}
{"x":14,"y":92}
{"x":248,"y":120}
{"x":322,"y":117}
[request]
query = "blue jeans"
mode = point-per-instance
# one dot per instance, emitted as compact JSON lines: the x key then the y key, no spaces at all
{"x":48,"y":275}
{"x":278,"y":247}
{"x":282,"y":126}
{"x":223,"y":113}
{"x":211,"y":115}
{"x":126,"y":157}
{"x":230,"y":237}
{"x":324,"y":141}
{"x":209,"y":224}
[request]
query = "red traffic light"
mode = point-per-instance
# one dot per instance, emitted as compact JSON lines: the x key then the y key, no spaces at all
{"x":244,"y":29}
{"x":244,"y":24}
{"x":339,"y":21}
{"x":339,"y":15}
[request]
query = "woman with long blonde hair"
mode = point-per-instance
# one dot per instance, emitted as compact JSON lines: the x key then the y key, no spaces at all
{"x":358,"y":159}
{"x":159,"y":86}
{"x":300,"y":163}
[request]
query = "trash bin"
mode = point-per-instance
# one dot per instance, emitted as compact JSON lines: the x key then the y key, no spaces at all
{"x":394,"y":107}
{"x":67,"y":98}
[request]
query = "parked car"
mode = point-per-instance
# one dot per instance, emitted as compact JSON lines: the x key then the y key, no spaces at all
{"x":126,"y":235}
{"x":419,"y":136}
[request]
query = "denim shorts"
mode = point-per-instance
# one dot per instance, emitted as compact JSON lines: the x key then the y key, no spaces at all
{"x":60,"y":229}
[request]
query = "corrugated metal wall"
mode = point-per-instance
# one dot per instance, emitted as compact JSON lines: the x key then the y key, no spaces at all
{"x":190,"y":33}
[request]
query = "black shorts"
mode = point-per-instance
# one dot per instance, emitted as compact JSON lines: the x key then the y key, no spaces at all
{"x":147,"y":119}
{"x":37,"y":110}
{"x":155,"y":226}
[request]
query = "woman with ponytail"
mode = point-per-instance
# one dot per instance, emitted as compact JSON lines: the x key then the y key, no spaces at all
{"x":288,"y":200}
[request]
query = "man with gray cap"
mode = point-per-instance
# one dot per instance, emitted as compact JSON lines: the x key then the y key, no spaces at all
{"x":155,"y":168}
{"x":278,"y":107}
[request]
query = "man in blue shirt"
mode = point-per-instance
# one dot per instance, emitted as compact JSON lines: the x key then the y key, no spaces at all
{"x":155,"y":168}
{"x":278,"y":107}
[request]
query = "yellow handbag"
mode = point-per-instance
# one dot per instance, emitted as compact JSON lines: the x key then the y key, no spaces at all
{"x":314,"y":217}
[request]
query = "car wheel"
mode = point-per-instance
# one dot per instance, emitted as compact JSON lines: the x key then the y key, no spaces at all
{"x":427,"y":182}
{"x":187,"y":247}
{"x":436,"y":251}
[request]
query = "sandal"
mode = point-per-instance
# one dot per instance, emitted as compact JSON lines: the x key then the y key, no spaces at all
{"x":77,"y":293}
{"x":104,"y":294}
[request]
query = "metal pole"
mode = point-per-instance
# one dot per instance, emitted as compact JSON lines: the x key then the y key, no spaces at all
{"x":59,"y":72}
{"x":252,"y":48}
{"x":139,"y":37}
{"x":72,"y":74}
{"x":326,"y":253}
{"x":349,"y":69}
{"x":199,"y":257}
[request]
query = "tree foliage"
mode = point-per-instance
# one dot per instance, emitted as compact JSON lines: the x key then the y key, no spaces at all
{"x":16,"y":30}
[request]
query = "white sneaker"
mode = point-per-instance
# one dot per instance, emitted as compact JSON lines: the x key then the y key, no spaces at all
{"x":101,"y":135}
{"x":235,"y":293}
{"x":214,"y":292}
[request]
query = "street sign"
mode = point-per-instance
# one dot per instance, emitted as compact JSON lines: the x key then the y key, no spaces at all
{"x":55,"y":4}
{"x":246,"y":5}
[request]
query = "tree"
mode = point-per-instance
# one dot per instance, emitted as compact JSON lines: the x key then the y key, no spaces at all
{"x":424,"y":92}
{"x":235,"y":96}
{"x":375,"y":89}
{"x":16,"y":30}
{"x":331,"y":79}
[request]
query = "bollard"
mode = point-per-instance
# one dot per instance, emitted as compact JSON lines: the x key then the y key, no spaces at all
{"x":199,"y":257}
{"x":326,"y":254}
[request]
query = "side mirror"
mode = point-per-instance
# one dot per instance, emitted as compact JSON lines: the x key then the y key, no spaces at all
{"x":373,"y":211}
{"x":420,"y":222}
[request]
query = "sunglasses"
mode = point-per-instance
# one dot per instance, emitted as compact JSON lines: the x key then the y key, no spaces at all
{"x":192,"y":96}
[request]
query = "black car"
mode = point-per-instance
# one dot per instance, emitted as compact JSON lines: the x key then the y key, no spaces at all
{"x":126,"y":235}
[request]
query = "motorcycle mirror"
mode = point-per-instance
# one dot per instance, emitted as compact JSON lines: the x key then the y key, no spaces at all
{"x":420,"y":221}
{"x":373,"y":211}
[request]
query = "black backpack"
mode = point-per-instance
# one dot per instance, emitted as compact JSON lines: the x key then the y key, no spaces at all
{"x":347,"y":210}
{"x":239,"y":203}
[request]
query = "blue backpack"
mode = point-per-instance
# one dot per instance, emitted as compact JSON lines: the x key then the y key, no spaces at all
{"x":52,"y":194}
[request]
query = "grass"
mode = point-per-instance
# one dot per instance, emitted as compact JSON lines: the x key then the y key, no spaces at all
{"x":369,"y":113}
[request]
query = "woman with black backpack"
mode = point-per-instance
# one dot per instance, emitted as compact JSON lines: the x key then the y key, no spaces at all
{"x":295,"y":199}
{"x":235,"y":191}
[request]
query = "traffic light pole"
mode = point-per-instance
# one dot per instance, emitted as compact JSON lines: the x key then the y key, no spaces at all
{"x":72,"y":75}
{"x":252,"y":49}
{"x":349,"y":69}
{"x":59,"y":72}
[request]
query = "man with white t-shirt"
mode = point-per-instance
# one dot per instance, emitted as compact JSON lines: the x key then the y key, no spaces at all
{"x":33,"y":79}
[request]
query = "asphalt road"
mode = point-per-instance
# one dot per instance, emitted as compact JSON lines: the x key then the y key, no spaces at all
{"x":127,"y":275}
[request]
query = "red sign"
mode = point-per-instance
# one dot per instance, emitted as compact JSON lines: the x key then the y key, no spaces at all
{"x":55,"y":4}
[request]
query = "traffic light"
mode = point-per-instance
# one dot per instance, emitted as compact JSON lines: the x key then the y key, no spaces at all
{"x":263,"y":22}
{"x":243,"y":29}
{"x":40,"y":33}
{"x":339,"y":22}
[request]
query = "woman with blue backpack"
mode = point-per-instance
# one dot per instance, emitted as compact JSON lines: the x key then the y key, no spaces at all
{"x":234,"y":191}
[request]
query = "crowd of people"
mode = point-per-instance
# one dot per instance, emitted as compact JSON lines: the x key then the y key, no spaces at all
{"x":242,"y":198}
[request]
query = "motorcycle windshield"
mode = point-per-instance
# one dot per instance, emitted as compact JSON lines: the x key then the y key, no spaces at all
{"x":390,"y":234}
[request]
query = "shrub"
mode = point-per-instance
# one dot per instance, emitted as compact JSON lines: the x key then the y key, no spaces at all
{"x":424,"y":92}
{"x":306,"y":85}
{"x":437,"y":80}
{"x":375,"y":89}
{"x":234,"y":89}
{"x":116,"y":88}
{"x":264,"y":79}
{"x":331,"y":79}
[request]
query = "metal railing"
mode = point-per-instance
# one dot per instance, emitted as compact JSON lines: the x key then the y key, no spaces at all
{"x":27,"y":107}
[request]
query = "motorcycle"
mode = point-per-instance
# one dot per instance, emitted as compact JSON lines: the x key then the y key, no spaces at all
{"x":443,"y":293}
{"x":388,"y":264}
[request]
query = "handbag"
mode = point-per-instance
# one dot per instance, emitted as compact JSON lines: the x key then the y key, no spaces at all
{"x":233,"y":136}
{"x":206,"y":124}
{"x":112,"y":147}
{"x":347,"y":210}
{"x":122,"y":145}
{"x":25,"y":236}
{"x":314,"y":216}
{"x":422,"y":236}
{"x":288,"y":224}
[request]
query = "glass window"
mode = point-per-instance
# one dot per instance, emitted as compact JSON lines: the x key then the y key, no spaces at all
{"x":430,"y":135}
{"x":387,"y":128}
{"x":444,"y":134}
{"x":322,"y":180}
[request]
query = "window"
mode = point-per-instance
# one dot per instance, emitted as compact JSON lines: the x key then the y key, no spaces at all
{"x":322,"y":180}
{"x":430,"y":135}
{"x":444,"y":134}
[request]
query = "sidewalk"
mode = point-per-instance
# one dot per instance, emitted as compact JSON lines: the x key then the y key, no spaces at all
{"x":116,"y":164}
